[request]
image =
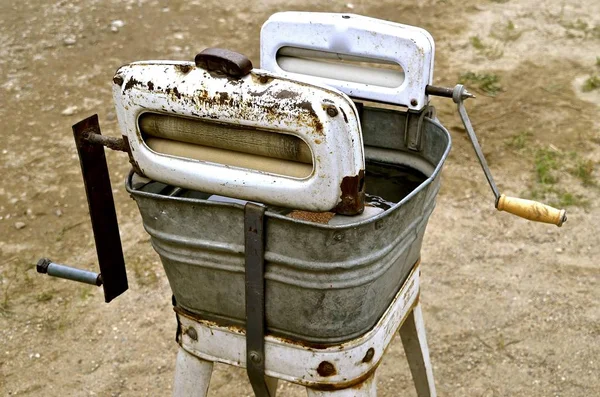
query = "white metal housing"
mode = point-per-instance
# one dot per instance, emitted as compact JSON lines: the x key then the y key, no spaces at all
{"x":292,"y":42}
{"x":257,"y":100}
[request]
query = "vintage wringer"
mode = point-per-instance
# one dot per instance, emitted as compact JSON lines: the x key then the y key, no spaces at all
{"x":288,"y":204}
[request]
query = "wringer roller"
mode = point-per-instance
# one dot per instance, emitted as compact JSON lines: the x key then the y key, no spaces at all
{"x":290,"y":200}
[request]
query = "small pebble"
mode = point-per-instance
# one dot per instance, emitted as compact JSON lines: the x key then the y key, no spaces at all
{"x":69,"y":111}
{"x":350,"y":5}
{"x":559,"y":250}
{"x":69,"y":41}
{"x":116,"y":25}
{"x":20,"y":225}
{"x":58,"y":213}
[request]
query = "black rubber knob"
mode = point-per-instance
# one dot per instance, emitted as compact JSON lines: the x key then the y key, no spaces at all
{"x":225,"y":61}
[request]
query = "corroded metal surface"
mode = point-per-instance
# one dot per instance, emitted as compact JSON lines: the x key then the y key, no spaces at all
{"x":338,"y":366}
{"x":257,"y":101}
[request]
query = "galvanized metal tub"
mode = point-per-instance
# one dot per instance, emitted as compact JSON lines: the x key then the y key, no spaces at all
{"x":324,"y":284}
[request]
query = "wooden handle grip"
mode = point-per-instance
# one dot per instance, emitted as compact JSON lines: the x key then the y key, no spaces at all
{"x":531,"y":210}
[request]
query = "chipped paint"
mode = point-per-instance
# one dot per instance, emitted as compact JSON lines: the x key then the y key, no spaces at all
{"x":255,"y":101}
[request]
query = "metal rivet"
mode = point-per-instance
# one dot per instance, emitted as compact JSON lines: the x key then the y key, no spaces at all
{"x":255,"y":357}
{"x":369,"y":355}
{"x":338,"y":237}
{"x":263,"y":79}
{"x":192,"y":333}
{"x":332,"y":111}
{"x":414,"y":102}
{"x":326,"y":369}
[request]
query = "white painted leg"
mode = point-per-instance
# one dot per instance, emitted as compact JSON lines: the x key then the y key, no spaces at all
{"x":366,"y":389}
{"x":271,"y":385}
{"x":192,"y":375}
{"x":413,"y":337}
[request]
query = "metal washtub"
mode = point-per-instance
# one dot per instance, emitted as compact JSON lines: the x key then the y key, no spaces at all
{"x":324,"y":284}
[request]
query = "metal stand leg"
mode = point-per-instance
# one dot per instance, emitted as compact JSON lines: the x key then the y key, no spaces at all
{"x":368,"y":388}
{"x":413,"y":337}
{"x":271,"y":385}
{"x":192,"y":375}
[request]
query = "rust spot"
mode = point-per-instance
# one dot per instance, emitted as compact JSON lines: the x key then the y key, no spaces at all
{"x":344,"y":114}
{"x":326,"y":369}
{"x":318,"y":141}
{"x":131,"y":83}
{"x":150,"y":85}
{"x":353,"y":195}
{"x":316,"y":217}
{"x":262,"y":79}
{"x":306,"y":105}
{"x":369,"y":355}
{"x":347,"y":384}
{"x":184,"y":69}
{"x":118,"y":80}
{"x":176,"y":93}
{"x":260,"y":93}
{"x":132,"y":161}
{"x":285,"y":94}
{"x":223,"y":98}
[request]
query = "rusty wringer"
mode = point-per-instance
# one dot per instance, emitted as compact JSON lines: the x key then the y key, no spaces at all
{"x":288,"y":204}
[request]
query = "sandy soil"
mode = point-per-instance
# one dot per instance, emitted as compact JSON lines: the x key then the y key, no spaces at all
{"x":511,"y":307}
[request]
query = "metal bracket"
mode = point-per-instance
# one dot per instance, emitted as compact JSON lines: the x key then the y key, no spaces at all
{"x":414,"y":127}
{"x":254,"y":236}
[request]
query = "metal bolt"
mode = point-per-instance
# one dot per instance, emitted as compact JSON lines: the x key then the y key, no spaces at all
{"x":263,"y":79}
{"x":192,"y":333}
{"x":255,"y":357}
{"x":414,"y":102}
{"x":332,"y":111}
{"x":369,"y":355}
{"x":326,"y":369}
{"x":118,"y":80}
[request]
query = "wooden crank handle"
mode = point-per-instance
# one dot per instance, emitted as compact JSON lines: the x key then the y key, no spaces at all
{"x":531,"y":210}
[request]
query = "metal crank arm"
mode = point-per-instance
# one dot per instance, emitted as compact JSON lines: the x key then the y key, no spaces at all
{"x":90,"y":147}
{"x":528,"y":209}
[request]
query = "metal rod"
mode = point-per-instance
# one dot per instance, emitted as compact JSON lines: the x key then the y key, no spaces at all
{"x":446,"y":92}
{"x":46,"y":266}
{"x":458,"y":96}
{"x":108,"y":141}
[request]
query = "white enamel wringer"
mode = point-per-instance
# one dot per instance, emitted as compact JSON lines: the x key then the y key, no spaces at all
{"x":288,"y":204}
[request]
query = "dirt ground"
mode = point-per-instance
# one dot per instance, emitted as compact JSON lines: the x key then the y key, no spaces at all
{"x":511,"y":307}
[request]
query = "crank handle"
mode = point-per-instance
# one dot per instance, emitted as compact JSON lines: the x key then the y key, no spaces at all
{"x":532,"y":210}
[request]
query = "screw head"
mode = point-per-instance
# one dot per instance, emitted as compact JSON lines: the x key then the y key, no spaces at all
{"x":332,"y":111}
{"x":255,"y":357}
{"x":414,"y":102}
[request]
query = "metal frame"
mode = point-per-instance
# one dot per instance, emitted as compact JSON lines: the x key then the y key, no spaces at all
{"x":333,"y":370}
